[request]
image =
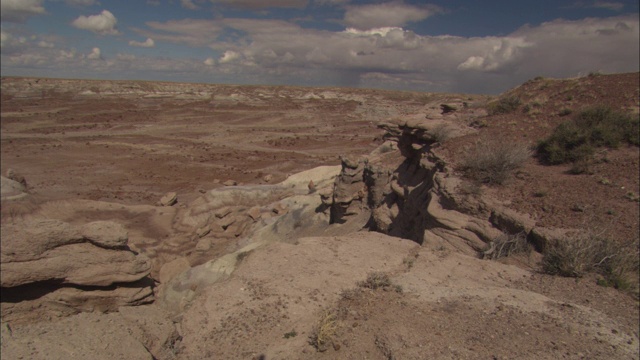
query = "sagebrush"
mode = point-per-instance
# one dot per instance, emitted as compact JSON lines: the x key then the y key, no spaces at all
{"x":504,"y":105}
{"x":592,"y":252}
{"x":492,"y":162}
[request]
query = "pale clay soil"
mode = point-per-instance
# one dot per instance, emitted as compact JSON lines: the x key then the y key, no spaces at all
{"x":107,"y":155}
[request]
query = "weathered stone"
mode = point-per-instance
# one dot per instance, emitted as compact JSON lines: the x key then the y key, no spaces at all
{"x":203,"y":231}
{"x":349,"y":163}
{"x":13,"y":175}
{"x":254,"y":213}
{"x":227,"y":221}
{"x":10,"y":189}
{"x":511,"y":222}
{"x":541,"y":237}
{"x":169,"y":199}
{"x":203,"y":244}
{"x":106,"y":234}
{"x":169,"y":270}
{"x":279,"y":209}
{"x":222,"y":212}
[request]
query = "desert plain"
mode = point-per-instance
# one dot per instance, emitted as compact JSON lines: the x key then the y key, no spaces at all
{"x":156,"y":220}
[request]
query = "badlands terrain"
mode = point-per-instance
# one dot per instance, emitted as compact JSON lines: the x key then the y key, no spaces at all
{"x":148,"y":220}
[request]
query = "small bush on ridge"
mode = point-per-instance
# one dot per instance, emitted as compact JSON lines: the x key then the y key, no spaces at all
{"x":576,"y":140}
{"x":505,"y":105}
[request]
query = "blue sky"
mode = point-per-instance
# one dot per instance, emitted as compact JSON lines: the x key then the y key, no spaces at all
{"x":467,"y":46}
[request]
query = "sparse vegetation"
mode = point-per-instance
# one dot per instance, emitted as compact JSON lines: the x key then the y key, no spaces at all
{"x":565,"y":112}
{"x":376,"y":280}
{"x":617,"y":262}
{"x":441,"y":133}
{"x":507,"y":245}
{"x":492,"y":162}
{"x":349,"y":294}
{"x":323,"y":333}
{"x":540,"y":193}
{"x":504,"y":105}
{"x":577,"y":139}
{"x":409,"y":261}
{"x":448,"y":108}
{"x":632,"y":196}
{"x":290,"y":334}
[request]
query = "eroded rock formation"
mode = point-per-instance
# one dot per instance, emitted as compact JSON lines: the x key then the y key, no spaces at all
{"x":46,"y":262}
{"x":413,"y":193}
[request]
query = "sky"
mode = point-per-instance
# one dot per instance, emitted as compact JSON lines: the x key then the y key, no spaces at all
{"x":462,"y":46}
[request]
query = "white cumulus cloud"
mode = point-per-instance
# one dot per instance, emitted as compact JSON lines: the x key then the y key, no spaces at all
{"x":103,"y":23}
{"x":147,"y":43}
{"x":20,"y":10}
{"x":393,"y":14}
{"x":210,"y":62}
{"x":188,"y":4}
{"x":263,"y":4}
{"x":45,"y":44}
{"x":81,"y":2}
{"x":95,"y":54}
{"x":229,"y":56}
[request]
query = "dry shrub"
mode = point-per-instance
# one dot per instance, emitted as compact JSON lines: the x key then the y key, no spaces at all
{"x":492,"y":161}
{"x":617,"y":262}
{"x":323,"y":333}
{"x":507,"y":245}
{"x":376,"y":280}
{"x":504,"y":105}
{"x":441,"y":133}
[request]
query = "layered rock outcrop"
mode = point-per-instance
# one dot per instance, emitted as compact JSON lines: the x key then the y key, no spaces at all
{"x":47,"y":262}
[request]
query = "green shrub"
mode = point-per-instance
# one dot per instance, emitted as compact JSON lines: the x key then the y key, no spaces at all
{"x":290,"y":334}
{"x":576,"y":140}
{"x":504,"y":105}
{"x":492,"y":162}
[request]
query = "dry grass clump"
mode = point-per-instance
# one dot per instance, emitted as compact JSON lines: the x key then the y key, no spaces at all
{"x":617,"y":262}
{"x":507,"y":245}
{"x":323,"y":333}
{"x":492,"y":162}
